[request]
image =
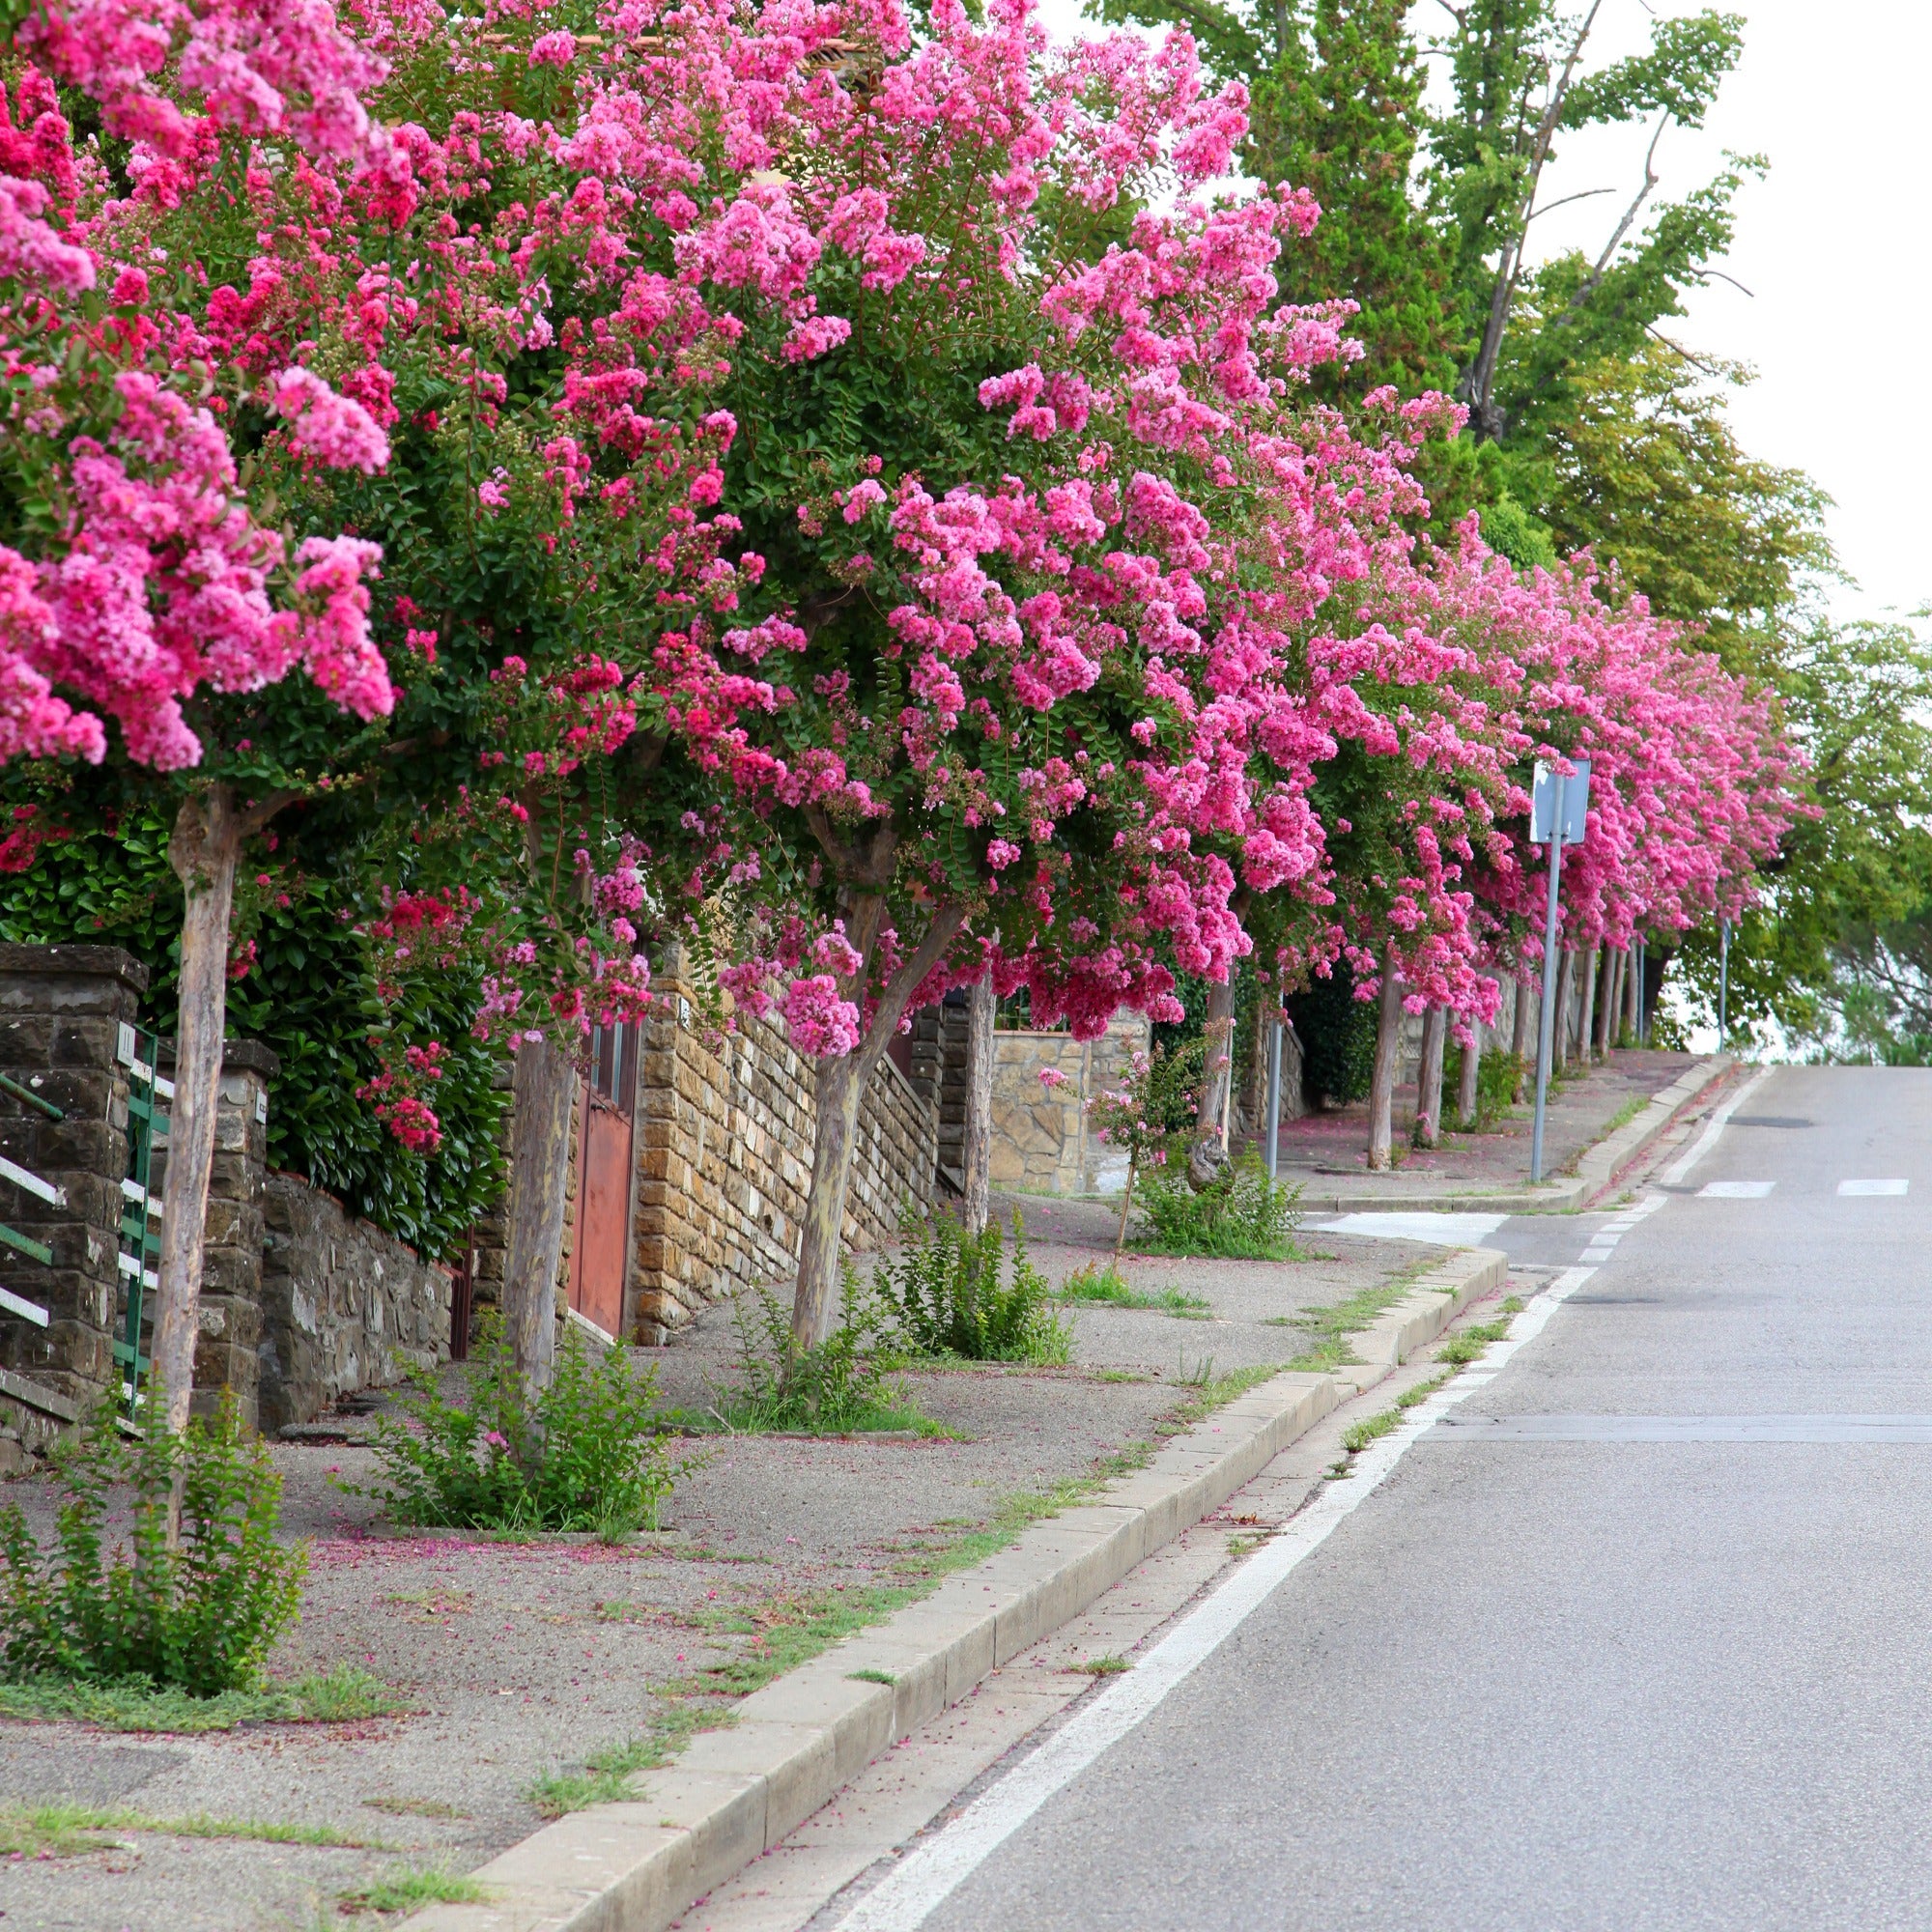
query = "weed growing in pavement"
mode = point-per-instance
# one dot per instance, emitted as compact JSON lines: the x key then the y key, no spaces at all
{"x":1104,"y":1283}
{"x":407,"y":1890}
{"x":1240,"y":1213}
{"x":945,"y":1292}
{"x":884,"y":1677}
{"x":839,"y":1388}
{"x":64,"y":1830}
{"x":1104,"y":1667}
{"x":342,"y":1696}
{"x":1461,"y":1350}
{"x":1329,"y":1328}
{"x":1513,"y":1304}
{"x":590,"y":1453}
{"x":415,"y":1807}
{"x":1457,"y":1352}
{"x":199,"y":1616}
{"x":607,"y":1773}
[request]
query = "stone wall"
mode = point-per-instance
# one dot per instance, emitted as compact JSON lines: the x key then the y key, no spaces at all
{"x":62,"y":1008}
{"x":344,"y":1306}
{"x":725,"y":1134}
{"x":1042,"y":1141}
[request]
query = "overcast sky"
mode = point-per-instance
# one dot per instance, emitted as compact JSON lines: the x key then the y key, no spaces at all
{"x":1832,"y":244}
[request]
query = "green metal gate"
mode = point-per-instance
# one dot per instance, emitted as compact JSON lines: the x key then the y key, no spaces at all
{"x":140,"y":1206}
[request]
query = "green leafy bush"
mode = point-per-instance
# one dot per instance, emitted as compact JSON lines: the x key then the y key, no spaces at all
{"x":1241,"y":1212}
{"x":200,"y":1617}
{"x":309,"y":994}
{"x":1338,"y":1037}
{"x":589,"y":1455}
{"x":838,"y":1386}
{"x":1497,"y":1076}
{"x":944,"y":1291}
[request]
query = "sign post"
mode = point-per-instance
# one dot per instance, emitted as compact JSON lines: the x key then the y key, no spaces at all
{"x":1557,"y":814}
{"x":1275,"y":1098}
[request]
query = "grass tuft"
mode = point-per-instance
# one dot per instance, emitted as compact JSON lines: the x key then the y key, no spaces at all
{"x":407,"y":1891}
{"x":415,"y":1807}
{"x":1107,"y":1287}
{"x":884,"y":1677}
{"x":342,"y":1696}
{"x":63,"y":1831}
{"x":1104,"y":1667}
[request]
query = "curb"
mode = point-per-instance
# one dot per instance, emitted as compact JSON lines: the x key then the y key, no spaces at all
{"x":1596,"y":1167}
{"x":733,"y":1793}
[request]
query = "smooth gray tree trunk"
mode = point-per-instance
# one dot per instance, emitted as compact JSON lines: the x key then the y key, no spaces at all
{"x":1467,"y":1095}
{"x":1429,"y":1079}
{"x":977,"y":1157}
{"x":543,"y":1098}
{"x":1389,"y":1052}
{"x":203,"y":851}
{"x":1586,"y":1021}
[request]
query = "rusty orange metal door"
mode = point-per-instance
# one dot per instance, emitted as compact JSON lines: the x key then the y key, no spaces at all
{"x":600,"y":1254}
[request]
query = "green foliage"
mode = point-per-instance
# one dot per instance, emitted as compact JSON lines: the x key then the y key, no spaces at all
{"x":200,"y":1617}
{"x":836,"y":1388}
{"x":1499,"y":1076}
{"x":405,"y":1890}
{"x":1103,"y":1283}
{"x":1525,"y":539}
{"x":590,"y":1454}
{"x":341,"y":1697}
{"x":945,"y":1290}
{"x":1240,"y":1213}
{"x":1338,"y":1037}
{"x":308,"y":994}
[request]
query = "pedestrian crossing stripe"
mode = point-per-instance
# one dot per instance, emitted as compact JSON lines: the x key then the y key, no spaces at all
{"x":1736,"y":1190}
{"x":1872,"y":1187}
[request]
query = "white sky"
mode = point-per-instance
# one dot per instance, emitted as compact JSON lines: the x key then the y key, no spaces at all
{"x":1837,"y":264}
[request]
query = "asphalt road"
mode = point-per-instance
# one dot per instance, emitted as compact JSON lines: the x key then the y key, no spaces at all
{"x":1661,"y":1659}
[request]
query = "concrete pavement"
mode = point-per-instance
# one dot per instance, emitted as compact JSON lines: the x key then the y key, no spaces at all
{"x":1653,"y":1660}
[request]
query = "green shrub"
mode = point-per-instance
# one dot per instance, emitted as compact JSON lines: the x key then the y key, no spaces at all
{"x":1241,"y":1212}
{"x":838,"y":1386}
{"x":1338,"y":1037}
{"x":944,"y":1290}
{"x":1497,"y":1076}
{"x":589,"y":1455}
{"x":200,"y":1617}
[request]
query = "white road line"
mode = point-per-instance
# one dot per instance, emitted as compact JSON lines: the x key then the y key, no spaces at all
{"x":1715,"y":1126}
{"x":929,"y":1874}
{"x":1873,"y":1186}
{"x":1735,"y":1191}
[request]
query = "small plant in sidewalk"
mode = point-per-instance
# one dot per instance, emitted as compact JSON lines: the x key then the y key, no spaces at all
{"x":1499,"y":1076}
{"x":114,"y":1605}
{"x":590,"y":1454}
{"x":1240,"y":1213}
{"x":955,"y":1294}
{"x":1149,"y":1115}
{"x":1105,"y":1285}
{"x":838,"y":1388}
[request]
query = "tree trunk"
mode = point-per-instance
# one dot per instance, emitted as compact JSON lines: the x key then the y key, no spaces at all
{"x":543,"y":1098}
{"x":977,"y":1158}
{"x":204,"y":846}
{"x":1632,"y":985}
{"x":1212,"y":1102}
{"x":1565,"y":973}
{"x":1586,"y":1022}
{"x":1388,"y":1051}
{"x":1467,"y":1097}
{"x":1520,"y":1036}
{"x":840,"y":1083}
{"x":1606,"y":1015}
{"x":1429,"y":1079}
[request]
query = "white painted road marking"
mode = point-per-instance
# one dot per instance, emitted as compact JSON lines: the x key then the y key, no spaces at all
{"x":937,"y":1866}
{"x":1676,"y":1175}
{"x":1735,"y":1191}
{"x":1909,"y":1429}
{"x":1873,"y":1186}
{"x":1452,"y":1229}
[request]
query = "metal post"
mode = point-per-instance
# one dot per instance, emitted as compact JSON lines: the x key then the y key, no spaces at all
{"x":1274,"y":1099}
{"x":1642,"y":1018}
{"x":1546,"y":1032}
{"x":1723,"y":982}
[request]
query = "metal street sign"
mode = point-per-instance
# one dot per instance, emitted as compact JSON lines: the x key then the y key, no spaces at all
{"x":1543,"y":802}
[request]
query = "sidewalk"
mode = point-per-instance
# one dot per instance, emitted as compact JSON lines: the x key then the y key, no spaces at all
{"x":1594,"y":1124}
{"x":522,"y":1659}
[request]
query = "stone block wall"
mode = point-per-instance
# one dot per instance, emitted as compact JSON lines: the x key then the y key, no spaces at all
{"x":62,"y":1008}
{"x":724,"y":1133}
{"x":1042,"y":1141}
{"x":344,"y":1305}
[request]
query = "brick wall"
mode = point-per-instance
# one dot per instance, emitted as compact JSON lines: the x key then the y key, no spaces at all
{"x":1042,"y":1141}
{"x":724,"y":1133}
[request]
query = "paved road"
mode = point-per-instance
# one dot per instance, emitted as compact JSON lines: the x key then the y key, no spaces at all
{"x":1556,"y":1677}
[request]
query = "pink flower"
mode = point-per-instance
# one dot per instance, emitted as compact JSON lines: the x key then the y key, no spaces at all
{"x":332,"y":430}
